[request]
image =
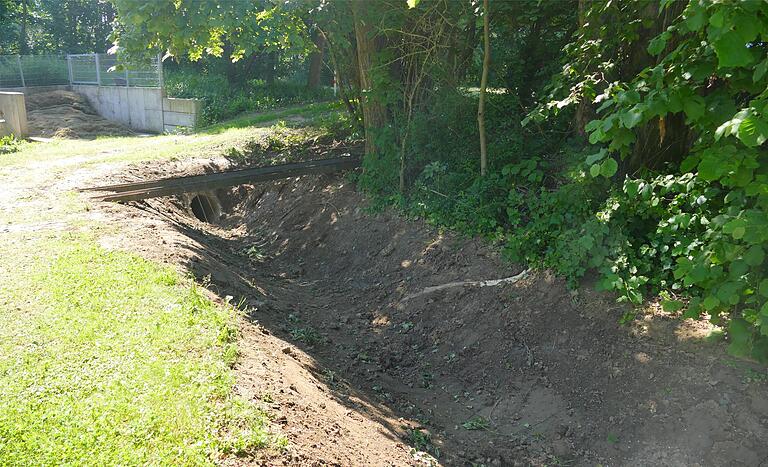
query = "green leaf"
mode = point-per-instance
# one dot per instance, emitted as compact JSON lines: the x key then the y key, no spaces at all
{"x":591,"y":159}
{"x":413,"y":3}
{"x":695,"y":16}
{"x":747,"y":26}
{"x":753,"y":131}
{"x":754,"y":256}
{"x":694,"y":107}
{"x":632,"y":188}
{"x":710,"y":303}
{"x":594,"y":170}
{"x":596,"y":136}
{"x":710,"y":168}
{"x":632,"y":117}
{"x":717,"y":19}
{"x":671,"y":306}
{"x":731,"y":50}
{"x":658,"y":43}
{"x":760,"y":71}
{"x":763,"y":289}
{"x":609,"y":167}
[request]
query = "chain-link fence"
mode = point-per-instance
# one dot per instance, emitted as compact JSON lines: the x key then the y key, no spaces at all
{"x":94,"y":69}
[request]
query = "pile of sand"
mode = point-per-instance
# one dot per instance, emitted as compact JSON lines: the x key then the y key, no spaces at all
{"x":65,"y":114}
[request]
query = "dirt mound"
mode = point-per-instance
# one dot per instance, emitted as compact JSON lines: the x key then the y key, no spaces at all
{"x":525,"y":373}
{"x":67,"y":115}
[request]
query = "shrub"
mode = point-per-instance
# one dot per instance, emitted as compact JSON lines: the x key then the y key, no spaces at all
{"x":8,"y":144}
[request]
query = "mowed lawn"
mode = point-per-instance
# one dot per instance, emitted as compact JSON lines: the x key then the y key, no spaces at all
{"x":107,"y":358}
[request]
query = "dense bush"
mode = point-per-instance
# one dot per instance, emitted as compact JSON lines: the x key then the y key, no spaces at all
{"x":222,"y":100}
{"x":688,"y":224}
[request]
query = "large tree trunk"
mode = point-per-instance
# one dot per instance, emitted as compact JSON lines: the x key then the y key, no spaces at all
{"x":483,"y":86}
{"x":660,"y":141}
{"x":316,"y":60}
{"x":374,"y":114}
{"x":584,"y":110}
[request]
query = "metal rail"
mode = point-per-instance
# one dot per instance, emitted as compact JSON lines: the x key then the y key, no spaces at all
{"x":176,"y":185}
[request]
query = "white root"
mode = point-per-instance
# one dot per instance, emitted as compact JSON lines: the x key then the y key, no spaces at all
{"x":488,"y":283}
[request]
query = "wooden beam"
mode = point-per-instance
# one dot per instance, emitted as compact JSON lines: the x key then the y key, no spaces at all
{"x":170,"y":186}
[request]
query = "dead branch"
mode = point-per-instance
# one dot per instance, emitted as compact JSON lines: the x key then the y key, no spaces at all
{"x":488,"y":283}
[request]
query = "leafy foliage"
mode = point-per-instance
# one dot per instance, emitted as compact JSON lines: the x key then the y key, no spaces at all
{"x":223,"y":100}
{"x":8,"y":144}
{"x":711,"y":219}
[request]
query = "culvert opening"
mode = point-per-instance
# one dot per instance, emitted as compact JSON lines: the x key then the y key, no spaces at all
{"x":203,"y":208}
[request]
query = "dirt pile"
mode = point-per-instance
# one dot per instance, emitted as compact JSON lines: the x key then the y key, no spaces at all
{"x":65,"y":114}
{"x":525,"y":373}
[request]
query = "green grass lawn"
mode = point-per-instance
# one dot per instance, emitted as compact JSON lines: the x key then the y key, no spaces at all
{"x":107,"y":358}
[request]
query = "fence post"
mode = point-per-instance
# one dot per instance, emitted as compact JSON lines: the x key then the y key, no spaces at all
{"x":21,"y":71}
{"x":69,"y":68}
{"x":127,"y":84}
{"x":98,"y":69}
{"x":160,"y":74}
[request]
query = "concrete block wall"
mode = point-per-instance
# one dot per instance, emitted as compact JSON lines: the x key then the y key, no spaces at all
{"x":179,"y":114}
{"x":142,"y":109}
{"x":13,"y":114}
{"x":137,"y":108}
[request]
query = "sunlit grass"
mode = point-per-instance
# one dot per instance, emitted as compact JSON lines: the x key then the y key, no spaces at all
{"x":106,"y":359}
{"x":210,"y":141}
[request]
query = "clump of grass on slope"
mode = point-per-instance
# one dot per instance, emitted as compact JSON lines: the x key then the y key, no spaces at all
{"x":107,"y":359}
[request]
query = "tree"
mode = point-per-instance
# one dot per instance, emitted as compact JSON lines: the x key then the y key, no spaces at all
{"x":316,"y":60}
{"x":23,"y":45}
{"x":483,"y":86}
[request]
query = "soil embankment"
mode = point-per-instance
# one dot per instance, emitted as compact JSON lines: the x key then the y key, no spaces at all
{"x":514,"y":374}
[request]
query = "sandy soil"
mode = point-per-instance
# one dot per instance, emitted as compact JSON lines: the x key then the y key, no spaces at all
{"x":354,"y":373}
{"x":65,"y":114}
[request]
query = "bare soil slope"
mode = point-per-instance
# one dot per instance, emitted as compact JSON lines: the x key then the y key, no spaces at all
{"x":528,"y":373}
{"x":65,"y":114}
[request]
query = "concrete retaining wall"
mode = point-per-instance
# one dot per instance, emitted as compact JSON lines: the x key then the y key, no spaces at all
{"x":13,"y":114}
{"x":181,"y":113}
{"x":141,"y":109}
{"x":137,"y":108}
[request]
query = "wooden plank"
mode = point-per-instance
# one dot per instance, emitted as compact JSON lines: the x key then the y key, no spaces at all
{"x":169,"y":186}
{"x":277,"y":168}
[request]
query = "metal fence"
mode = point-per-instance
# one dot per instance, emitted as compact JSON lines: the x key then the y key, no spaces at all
{"x":93,"y":69}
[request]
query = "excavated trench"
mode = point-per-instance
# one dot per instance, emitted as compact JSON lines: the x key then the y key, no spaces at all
{"x":515,"y":374}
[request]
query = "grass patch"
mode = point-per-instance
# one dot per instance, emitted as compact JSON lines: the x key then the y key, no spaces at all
{"x":250,"y":119}
{"x":106,"y":358}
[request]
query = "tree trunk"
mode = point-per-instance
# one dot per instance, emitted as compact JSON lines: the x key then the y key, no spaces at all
{"x":584,"y":111}
{"x":373,"y":111}
{"x":483,"y":86}
{"x":270,"y":72}
{"x":316,"y":60}
{"x":23,"y":46}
